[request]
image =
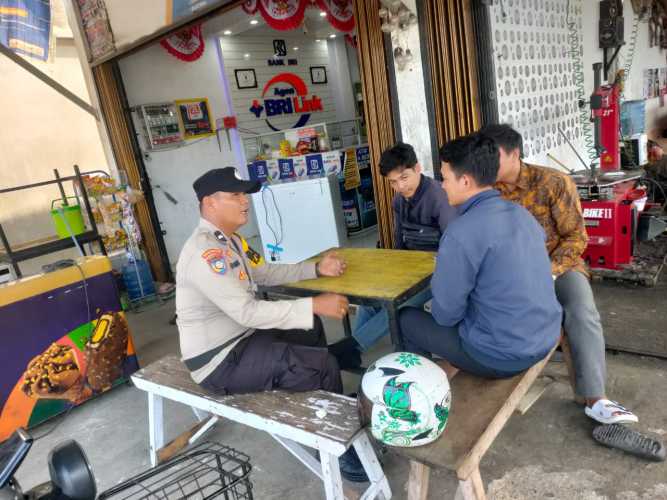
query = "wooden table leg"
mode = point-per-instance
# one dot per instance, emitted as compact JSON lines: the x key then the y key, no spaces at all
{"x":394,"y":328}
{"x":155,"y":427}
{"x":347,"y":328}
{"x":418,"y":481}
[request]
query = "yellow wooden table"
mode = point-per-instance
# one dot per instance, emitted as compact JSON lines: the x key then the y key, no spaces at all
{"x":374,"y":277}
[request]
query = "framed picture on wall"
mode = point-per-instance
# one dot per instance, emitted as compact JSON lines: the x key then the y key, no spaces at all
{"x":318,"y":74}
{"x":245,"y":78}
{"x":195,"y":118}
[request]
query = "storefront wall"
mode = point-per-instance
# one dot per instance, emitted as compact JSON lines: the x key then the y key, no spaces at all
{"x":255,"y":51}
{"x":152,"y":75}
{"x":371,"y":72}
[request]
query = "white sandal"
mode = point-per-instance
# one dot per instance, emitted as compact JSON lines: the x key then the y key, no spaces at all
{"x":610,"y":412}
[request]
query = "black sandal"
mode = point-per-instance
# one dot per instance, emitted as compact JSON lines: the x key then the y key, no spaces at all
{"x":631,"y":441}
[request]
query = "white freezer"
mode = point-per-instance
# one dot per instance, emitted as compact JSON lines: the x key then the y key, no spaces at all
{"x":299,"y":219}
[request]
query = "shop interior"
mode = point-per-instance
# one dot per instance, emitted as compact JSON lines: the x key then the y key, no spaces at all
{"x":283,"y":106}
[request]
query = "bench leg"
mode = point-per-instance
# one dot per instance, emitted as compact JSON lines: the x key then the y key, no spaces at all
{"x":471,"y":488}
{"x":300,"y":454}
{"x":201,"y":415}
{"x":178,"y":443}
{"x":205,"y":426}
{"x":372,"y":466}
{"x":155,"y":427}
{"x":418,"y":481}
{"x":333,"y":484}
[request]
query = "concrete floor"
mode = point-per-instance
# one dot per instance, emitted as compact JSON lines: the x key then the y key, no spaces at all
{"x":548,"y":453}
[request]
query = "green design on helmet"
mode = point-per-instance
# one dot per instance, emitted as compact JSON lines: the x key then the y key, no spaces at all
{"x":406,"y":398}
{"x":408,"y":359}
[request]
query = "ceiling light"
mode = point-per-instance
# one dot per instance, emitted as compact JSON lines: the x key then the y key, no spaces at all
{"x":295,"y":48}
{"x":318,"y":40}
{"x":254,"y":21}
{"x":332,"y":36}
{"x":246,"y":56}
{"x":323,"y":14}
{"x":227,"y":32}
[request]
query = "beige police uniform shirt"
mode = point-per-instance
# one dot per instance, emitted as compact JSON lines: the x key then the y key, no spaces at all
{"x":216,"y":280}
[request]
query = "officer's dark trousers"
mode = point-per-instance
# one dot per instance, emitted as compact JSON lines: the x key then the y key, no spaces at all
{"x":293,"y":360}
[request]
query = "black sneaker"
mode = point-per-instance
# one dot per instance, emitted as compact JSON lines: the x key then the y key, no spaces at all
{"x":351,"y":468}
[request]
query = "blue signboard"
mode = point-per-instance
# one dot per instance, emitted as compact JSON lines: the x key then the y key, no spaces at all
{"x":25,"y":26}
{"x":258,"y":171}
{"x":363,"y":157}
{"x":314,"y":165}
{"x":286,"y":168}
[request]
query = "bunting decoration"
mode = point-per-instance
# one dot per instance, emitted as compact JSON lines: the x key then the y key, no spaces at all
{"x":186,"y":45}
{"x":250,"y":7}
{"x":289,"y":14}
{"x":283,"y":14}
{"x":339,"y":13}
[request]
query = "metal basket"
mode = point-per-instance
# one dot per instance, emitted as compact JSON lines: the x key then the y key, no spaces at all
{"x":209,"y":470}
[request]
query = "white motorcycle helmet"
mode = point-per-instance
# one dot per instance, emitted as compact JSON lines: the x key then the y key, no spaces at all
{"x":405,"y":398}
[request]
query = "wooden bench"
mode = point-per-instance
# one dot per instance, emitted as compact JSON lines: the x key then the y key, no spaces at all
{"x":293,"y":419}
{"x":480,"y":409}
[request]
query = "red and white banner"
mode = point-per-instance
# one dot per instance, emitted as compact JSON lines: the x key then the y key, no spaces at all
{"x":283,"y":14}
{"x":250,"y":6}
{"x":339,"y":13}
{"x":289,"y":14}
{"x":186,"y":45}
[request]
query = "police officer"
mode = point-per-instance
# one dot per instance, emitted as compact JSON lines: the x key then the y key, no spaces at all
{"x":232,"y":342}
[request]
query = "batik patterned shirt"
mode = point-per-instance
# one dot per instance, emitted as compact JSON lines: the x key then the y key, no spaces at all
{"x":551,"y":196}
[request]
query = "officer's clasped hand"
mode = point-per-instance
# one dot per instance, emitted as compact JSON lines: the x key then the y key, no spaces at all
{"x":331,"y":265}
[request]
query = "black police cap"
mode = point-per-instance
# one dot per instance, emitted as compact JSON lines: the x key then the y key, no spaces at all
{"x":226,"y":180}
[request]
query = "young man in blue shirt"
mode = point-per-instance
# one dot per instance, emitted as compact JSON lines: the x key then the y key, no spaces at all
{"x":494,"y":310}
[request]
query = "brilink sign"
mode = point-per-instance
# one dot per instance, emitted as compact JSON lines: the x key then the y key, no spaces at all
{"x":286,"y":94}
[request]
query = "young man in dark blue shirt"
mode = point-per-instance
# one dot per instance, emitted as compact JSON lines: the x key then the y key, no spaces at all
{"x":494,"y":310}
{"x":421,"y":215}
{"x":421,"y":209}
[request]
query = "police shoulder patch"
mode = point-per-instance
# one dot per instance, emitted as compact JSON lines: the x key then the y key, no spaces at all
{"x":215,"y":257}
